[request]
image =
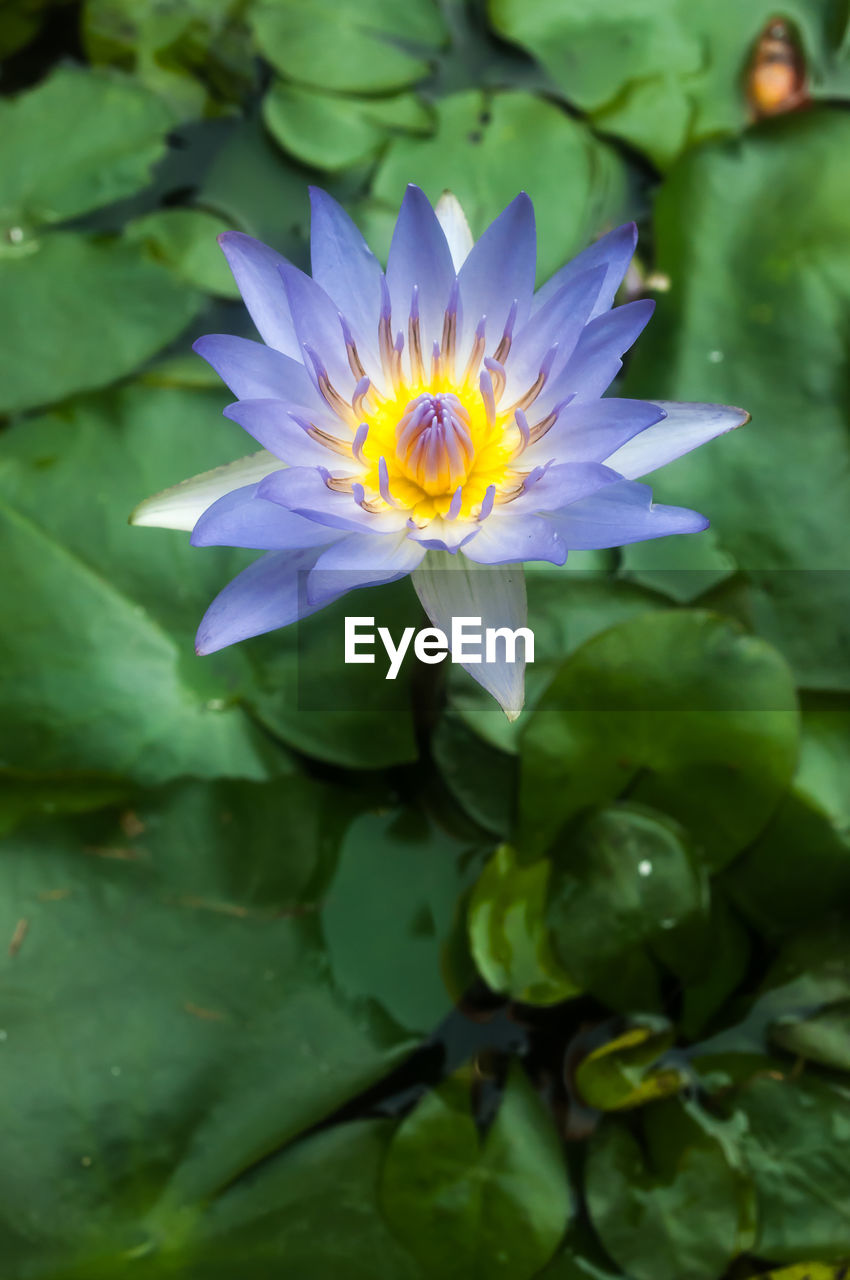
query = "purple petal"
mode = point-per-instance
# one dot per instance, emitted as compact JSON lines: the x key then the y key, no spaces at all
{"x":562,"y":321}
{"x":345,"y":267}
{"x":500,"y":268}
{"x":591,"y":430}
{"x":685,"y":427}
{"x":302,"y":489}
{"x":561,"y":484}
{"x":277,"y":426}
{"x":318,"y":326}
{"x":268,"y":594}
{"x":614,"y":252}
{"x":240,"y":519}
{"x":255,"y":372}
{"x":419,"y":255}
{"x":619,"y":514}
{"x":255,"y":270}
{"x":362,"y":560}
{"x":596,"y":360}
{"x":510,"y":539}
{"x":445,"y":535}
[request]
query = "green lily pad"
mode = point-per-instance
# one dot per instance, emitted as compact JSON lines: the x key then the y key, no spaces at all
{"x":663,"y":76}
{"x":620,"y":883}
{"x":777,"y":888}
{"x":794,"y":1141}
{"x":711,"y":959}
{"x":508,"y":935}
{"x":180,"y":51}
{"x":477,"y":1207}
{"x":349,"y":715}
{"x":480,"y":776}
{"x":670,"y":1208}
{"x":106,"y":613}
{"x":312,"y":1209}
{"x":50,"y":172}
{"x":624,"y":1072}
{"x":684,"y":711}
{"x":824,"y":1037}
{"x":753,"y":236}
{"x":328,"y":131}
{"x":393,"y":895}
{"x":157,"y":977}
{"x":22,"y":796}
{"x":565,"y":607}
{"x":185,"y":240}
{"x":480,"y":150}
{"x":254,"y":186}
{"x":806,"y":996}
{"x":350,"y":46}
{"x":81,"y":311}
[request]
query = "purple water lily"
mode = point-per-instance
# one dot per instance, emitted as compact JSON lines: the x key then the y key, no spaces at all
{"x":428,"y":420}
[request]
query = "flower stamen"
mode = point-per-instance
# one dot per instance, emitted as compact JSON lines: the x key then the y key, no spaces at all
{"x":414,"y":339}
{"x":476,"y":353}
{"x":537,"y":385}
{"x":485,"y":383}
{"x":502,"y":350}
{"x":498,"y":375}
{"x":355,"y":364}
{"x":328,"y":390}
{"x":449,"y":337}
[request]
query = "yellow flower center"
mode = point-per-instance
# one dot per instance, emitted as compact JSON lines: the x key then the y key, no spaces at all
{"x":434,"y":442}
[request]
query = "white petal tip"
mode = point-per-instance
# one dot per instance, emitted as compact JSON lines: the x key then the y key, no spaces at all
{"x":156,"y":513}
{"x":452,"y":219}
{"x":181,"y":506}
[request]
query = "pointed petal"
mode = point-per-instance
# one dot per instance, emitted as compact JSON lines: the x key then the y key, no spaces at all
{"x":619,"y":514}
{"x":452,"y":587}
{"x":452,"y":219}
{"x":562,"y":321}
{"x":269,"y":594}
{"x":561,"y":484}
{"x":255,"y":372}
{"x":181,"y":506}
{"x":255,"y":270}
{"x":302,"y":489}
{"x":613,"y":251}
{"x":500,"y":269}
{"x":419,"y":255}
{"x":361,"y":560}
{"x":591,"y":430}
{"x":318,"y":326}
{"x":277,"y":425}
{"x":685,"y":427}
{"x":596,"y":360}
{"x":345,"y":267}
{"x":240,"y":519}
{"x":511,"y":539}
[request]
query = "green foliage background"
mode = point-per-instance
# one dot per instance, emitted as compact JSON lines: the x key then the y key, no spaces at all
{"x":310,"y":975}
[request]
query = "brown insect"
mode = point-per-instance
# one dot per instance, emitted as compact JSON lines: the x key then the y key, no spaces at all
{"x":776,"y":76}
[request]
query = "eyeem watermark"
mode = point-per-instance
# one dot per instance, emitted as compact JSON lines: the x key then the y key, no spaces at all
{"x":468,"y":644}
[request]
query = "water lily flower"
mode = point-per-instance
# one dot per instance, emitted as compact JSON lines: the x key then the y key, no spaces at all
{"x":440,"y":419}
